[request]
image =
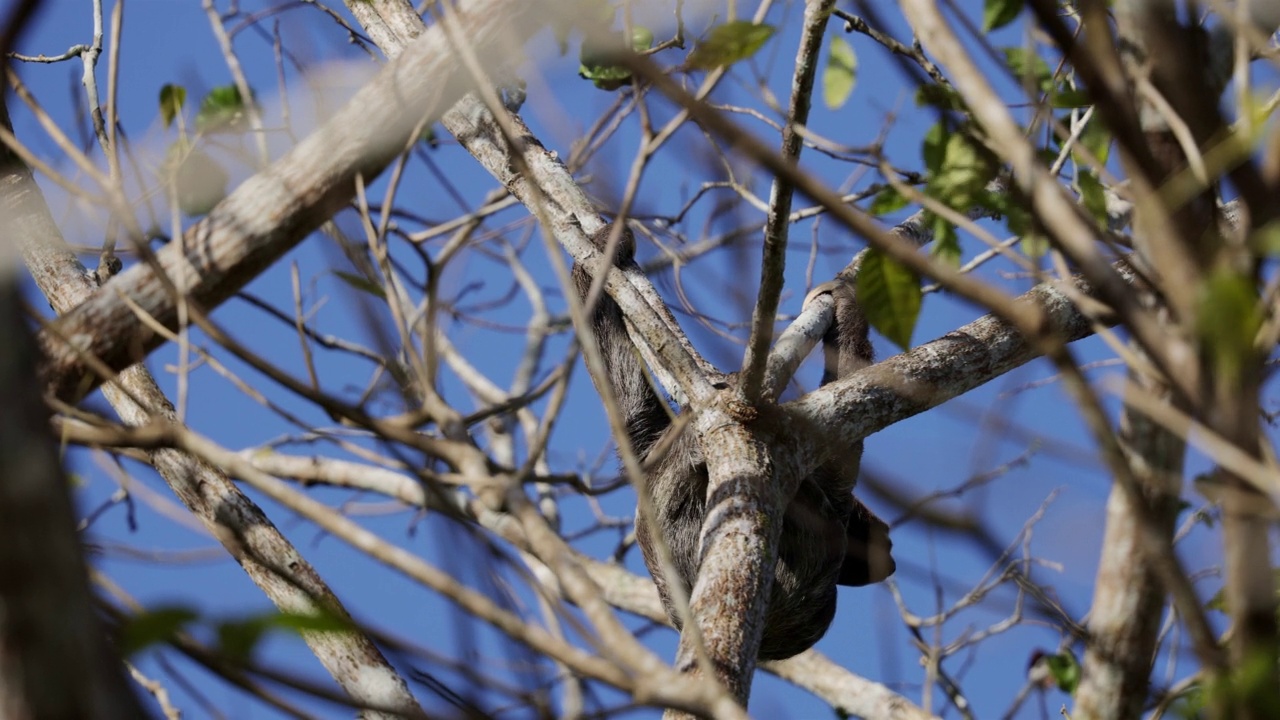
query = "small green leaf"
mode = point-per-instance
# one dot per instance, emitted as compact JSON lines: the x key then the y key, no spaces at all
{"x":303,"y":623}
{"x":941,"y":97}
{"x":1028,"y":66}
{"x":1228,"y":322}
{"x":728,"y":43}
{"x":1218,"y":601}
{"x":1266,"y":240}
{"x":1093,"y":196}
{"x":362,"y":284}
{"x":193,"y":179}
{"x":223,"y":109}
{"x":1253,"y":683}
{"x":890,"y":295}
{"x":237,"y":639}
{"x":1097,"y":139}
{"x":154,"y":626}
{"x":1191,"y":704}
{"x":841,"y":73}
{"x":959,"y":178}
{"x":998,"y":13}
{"x":606,"y":77}
{"x":172,"y":100}
{"x":1070,"y":98}
{"x":1017,"y":218}
{"x":933,"y":150}
{"x":888,"y":200}
{"x":641,"y":38}
{"x":1034,"y":245}
{"x":946,"y":242}
{"x":1065,"y":669}
{"x":598,"y":63}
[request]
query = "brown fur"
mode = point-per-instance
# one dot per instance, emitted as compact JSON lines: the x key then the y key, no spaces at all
{"x":828,"y":537}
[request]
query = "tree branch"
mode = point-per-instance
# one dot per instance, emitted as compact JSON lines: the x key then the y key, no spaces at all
{"x":275,"y":209}
{"x":274,"y":565}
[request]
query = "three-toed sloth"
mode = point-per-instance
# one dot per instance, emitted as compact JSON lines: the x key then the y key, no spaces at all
{"x":828,"y":536}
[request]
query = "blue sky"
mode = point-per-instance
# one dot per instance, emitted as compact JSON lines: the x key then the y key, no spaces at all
{"x":170,"y":42}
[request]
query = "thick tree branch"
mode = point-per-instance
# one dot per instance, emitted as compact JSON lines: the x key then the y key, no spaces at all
{"x":810,"y":670}
{"x":928,"y":375}
{"x":1128,"y":594}
{"x":287,"y":579}
{"x":516,"y":158}
{"x":1058,"y":213}
{"x":273,"y":210}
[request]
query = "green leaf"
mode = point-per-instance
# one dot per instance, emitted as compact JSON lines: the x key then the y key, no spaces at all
{"x":1191,"y":704}
{"x":1266,"y":240}
{"x":223,"y":109}
{"x":302,"y":622}
{"x":728,"y":43}
{"x":193,"y":179}
{"x":1065,"y":670}
{"x":1034,"y":245}
{"x":1070,"y":98}
{"x":1093,"y":196}
{"x":933,"y":150}
{"x":946,"y":242}
{"x":888,"y":200}
{"x":959,"y":178}
{"x":237,"y":639}
{"x":941,"y":97}
{"x":429,"y":137}
{"x":1218,"y":601}
{"x":361,"y":283}
{"x":605,"y":77}
{"x":1228,"y":322}
{"x":1097,"y":139}
{"x":154,"y":626}
{"x":841,"y":73}
{"x":998,"y":13}
{"x":1017,"y":218}
{"x":598,"y":60}
{"x":172,"y":100}
{"x":641,"y":38}
{"x":890,"y":295}
{"x":1253,"y":684}
{"x":1028,"y":66}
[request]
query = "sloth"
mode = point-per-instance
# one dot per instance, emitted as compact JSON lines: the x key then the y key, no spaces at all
{"x":828,"y":537}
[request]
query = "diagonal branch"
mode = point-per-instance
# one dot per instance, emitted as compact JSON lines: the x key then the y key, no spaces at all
{"x":908,"y":384}
{"x":515,"y":157}
{"x":275,"y":209}
{"x":275,"y":566}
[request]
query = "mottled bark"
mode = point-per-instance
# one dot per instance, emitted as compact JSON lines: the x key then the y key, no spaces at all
{"x":275,"y":209}
{"x":287,"y":579}
{"x":1128,"y":594}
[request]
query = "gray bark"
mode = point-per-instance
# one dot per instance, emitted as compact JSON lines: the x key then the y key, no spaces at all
{"x":276,"y":208}
{"x":287,"y":579}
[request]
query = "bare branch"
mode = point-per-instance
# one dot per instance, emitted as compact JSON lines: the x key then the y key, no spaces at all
{"x":275,"y":209}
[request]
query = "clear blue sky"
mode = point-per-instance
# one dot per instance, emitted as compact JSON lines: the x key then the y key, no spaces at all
{"x":169,"y":563}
